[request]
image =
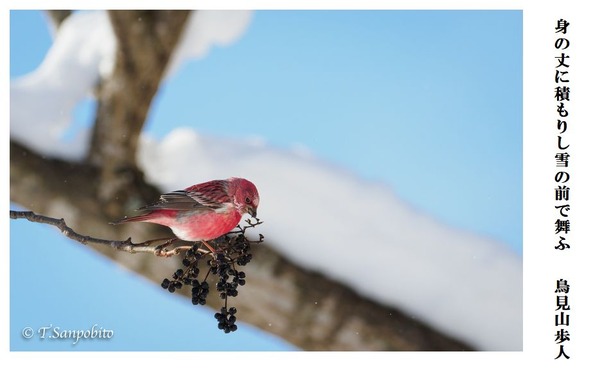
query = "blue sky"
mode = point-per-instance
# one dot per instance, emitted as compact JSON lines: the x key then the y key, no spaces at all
{"x":428,"y":102}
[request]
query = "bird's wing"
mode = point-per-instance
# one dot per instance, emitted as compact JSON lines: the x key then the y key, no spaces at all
{"x":182,"y":200}
{"x":215,"y":191}
{"x":209,"y":196}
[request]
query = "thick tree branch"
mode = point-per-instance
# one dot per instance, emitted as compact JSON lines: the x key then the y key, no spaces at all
{"x":145,"y":42}
{"x":303,"y":307}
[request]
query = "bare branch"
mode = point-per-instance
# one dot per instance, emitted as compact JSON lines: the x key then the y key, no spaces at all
{"x":126,"y":246}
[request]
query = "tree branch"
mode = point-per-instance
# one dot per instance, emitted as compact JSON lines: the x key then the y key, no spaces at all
{"x":145,"y":42}
{"x":303,"y":307}
{"x":58,"y":16}
{"x":126,"y":246}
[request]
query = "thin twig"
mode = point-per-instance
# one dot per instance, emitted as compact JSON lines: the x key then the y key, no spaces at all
{"x":126,"y":246}
{"x":250,"y":223}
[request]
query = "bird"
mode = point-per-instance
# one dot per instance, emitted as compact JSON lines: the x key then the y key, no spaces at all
{"x":202,"y":212}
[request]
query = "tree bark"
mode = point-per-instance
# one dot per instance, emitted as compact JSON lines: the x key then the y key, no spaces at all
{"x":303,"y":307}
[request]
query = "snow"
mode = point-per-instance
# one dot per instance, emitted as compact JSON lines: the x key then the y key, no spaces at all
{"x":42,"y":102}
{"x":321,"y":216}
{"x":205,"y":29}
{"x":83,"y":52}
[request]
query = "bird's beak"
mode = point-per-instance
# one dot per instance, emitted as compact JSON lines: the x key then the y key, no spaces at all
{"x":252,"y":212}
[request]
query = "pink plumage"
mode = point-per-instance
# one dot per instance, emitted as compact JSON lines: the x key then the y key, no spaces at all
{"x":203,"y":211}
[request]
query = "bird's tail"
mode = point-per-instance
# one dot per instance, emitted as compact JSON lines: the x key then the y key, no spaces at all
{"x":139,"y":218}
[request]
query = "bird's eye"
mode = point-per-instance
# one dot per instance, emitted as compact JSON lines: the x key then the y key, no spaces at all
{"x":248,"y":201}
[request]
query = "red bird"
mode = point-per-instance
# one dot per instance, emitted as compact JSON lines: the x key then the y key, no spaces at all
{"x":204,"y":211}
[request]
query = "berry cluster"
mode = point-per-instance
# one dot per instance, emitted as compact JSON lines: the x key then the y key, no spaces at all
{"x":231,"y":251}
{"x":227,"y":319}
{"x":199,"y":292}
{"x":227,"y":271}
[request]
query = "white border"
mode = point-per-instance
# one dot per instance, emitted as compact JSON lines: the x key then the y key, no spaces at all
{"x":542,"y":265}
